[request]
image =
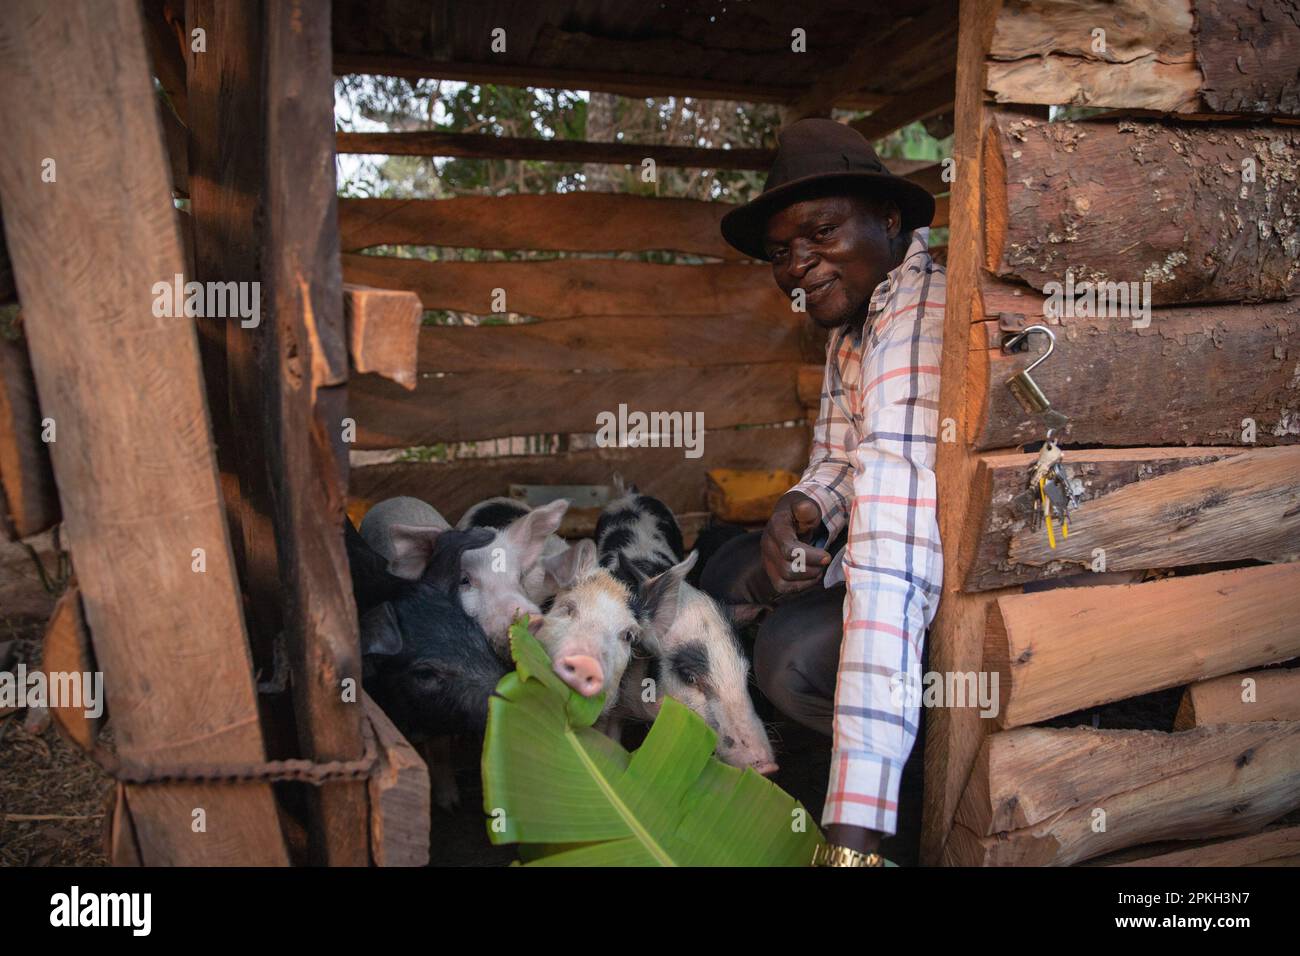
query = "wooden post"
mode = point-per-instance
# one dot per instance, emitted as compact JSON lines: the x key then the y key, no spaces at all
{"x":133,"y":452}
{"x":305,"y":375}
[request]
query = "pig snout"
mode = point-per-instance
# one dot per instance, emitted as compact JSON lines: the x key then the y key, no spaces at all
{"x":743,"y":752}
{"x":582,"y":673}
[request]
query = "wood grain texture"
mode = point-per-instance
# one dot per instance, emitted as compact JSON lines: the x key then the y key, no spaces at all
{"x":477,"y":405}
{"x":1190,"y":377}
{"x":29,"y":502}
{"x":66,"y":650}
{"x":1147,"y":507}
{"x":934,"y":97}
{"x":666,"y":473}
{"x":598,"y":343}
{"x":399,"y":796}
{"x":1132,"y":202}
{"x":383,"y":331}
{"x":572,"y":222}
{"x":1057,"y":652}
{"x":1270,"y":847}
{"x":569,"y":288}
{"x":133,"y":458}
{"x":305,"y":370}
{"x":1248,"y":53}
{"x":1034,"y":793}
{"x":1272,"y":694}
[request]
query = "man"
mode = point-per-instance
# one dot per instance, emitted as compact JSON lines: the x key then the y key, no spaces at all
{"x":841,"y":651}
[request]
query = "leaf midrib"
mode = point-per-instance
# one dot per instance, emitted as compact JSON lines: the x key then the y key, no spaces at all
{"x":624,"y":811}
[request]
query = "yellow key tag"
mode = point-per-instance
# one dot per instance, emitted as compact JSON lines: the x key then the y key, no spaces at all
{"x":1047,"y":511}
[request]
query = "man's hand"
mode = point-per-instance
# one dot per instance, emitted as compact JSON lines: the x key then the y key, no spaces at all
{"x":785,"y":548}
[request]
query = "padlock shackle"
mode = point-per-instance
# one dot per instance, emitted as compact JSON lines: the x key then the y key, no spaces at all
{"x":1023,"y":333}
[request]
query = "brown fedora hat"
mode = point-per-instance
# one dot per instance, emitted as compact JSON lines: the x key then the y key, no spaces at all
{"x":822,"y":152}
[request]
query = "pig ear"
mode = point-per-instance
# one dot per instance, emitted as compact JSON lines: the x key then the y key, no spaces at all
{"x":572,"y":565}
{"x":629,"y":568}
{"x":528,"y":534}
{"x":444,"y":568}
{"x":380,"y":633}
{"x":412,"y":547}
{"x":662,"y":594}
{"x":741,"y":615}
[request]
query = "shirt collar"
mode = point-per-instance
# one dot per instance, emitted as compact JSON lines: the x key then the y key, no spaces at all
{"x":919,"y":245}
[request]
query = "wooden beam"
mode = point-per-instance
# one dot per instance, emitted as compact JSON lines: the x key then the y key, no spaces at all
{"x":306,"y":359}
{"x":399,"y":796}
{"x":165,"y":37}
{"x":1269,"y":847}
{"x":571,"y":288}
{"x":747,"y":495}
{"x":600,"y":344}
{"x":1193,"y":231}
{"x":383,"y":331}
{"x":1272,"y":694}
{"x":1248,"y":352}
{"x":953,"y":735}
{"x":1248,"y":55}
{"x":666,"y":473}
{"x":227,"y":174}
{"x":29,"y":502}
{"x":1203,"y":55}
{"x":933,"y":98}
{"x":547,"y":77}
{"x":487,"y":146}
{"x":905,"y":41}
{"x":570,"y":222}
{"x":454,"y":407}
{"x":1056,"y":652}
{"x":1209,"y":782}
{"x":134,"y":464}
{"x":1146,"y":507}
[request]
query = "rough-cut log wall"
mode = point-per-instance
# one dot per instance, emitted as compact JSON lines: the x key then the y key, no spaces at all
{"x":1070,"y":196}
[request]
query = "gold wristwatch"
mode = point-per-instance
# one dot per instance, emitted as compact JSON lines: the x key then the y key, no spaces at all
{"x":828,"y":854}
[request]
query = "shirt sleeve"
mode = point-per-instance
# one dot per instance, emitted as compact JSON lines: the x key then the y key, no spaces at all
{"x":828,"y":479}
{"x":893,"y":565}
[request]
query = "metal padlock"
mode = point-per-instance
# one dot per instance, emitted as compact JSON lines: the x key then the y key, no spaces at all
{"x":1022,"y":384}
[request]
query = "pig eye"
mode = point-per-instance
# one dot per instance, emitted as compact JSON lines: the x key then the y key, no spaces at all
{"x":464,"y":580}
{"x":629,"y":636}
{"x":425,"y":672}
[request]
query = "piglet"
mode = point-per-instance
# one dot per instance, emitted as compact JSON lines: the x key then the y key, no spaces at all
{"x":540,"y":582}
{"x":695,"y":654}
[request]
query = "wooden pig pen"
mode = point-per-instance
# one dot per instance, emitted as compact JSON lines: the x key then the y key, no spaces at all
{"x":235,"y":440}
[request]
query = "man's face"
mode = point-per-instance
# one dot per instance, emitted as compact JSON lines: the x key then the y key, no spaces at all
{"x":837,"y":249}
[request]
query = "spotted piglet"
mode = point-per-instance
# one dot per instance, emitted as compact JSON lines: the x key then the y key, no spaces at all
{"x":694,"y":653}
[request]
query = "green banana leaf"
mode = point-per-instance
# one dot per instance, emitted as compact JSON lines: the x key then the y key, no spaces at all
{"x":572,"y":797}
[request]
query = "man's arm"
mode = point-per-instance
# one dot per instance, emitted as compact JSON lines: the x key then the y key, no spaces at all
{"x":893,"y":568}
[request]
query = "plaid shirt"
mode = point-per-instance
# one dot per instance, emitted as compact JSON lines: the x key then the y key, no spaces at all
{"x":872,"y":465}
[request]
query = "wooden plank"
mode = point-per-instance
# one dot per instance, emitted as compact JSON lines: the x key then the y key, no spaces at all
{"x":307,"y":360}
{"x":1208,"y":782}
{"x":1243,"y":359}
{"x":177,"y":138}
{"x":551,"y":77}
{"x":383,"y":331}
{"x":1146,"y":507}
{"x":747,"y":496}
{"x":663,"y":472}
{"x":1143,"y":202}
{"x":8,"y":291}
{"x":953,"y":735}
{"x":929,"y":100}
{"x":572,"y":222}
{"x":487,"y":146}
{"x":164,"y":33}
{"x":227,"y":172}
{"x":399,"y":796}
{"x":133,"y":458}
{"x":619,"y":343}
{"x":567,"y":288}
{"x":1248,"y":54}
{"x":1272,"y":694}
{"x":29,"y":502}
{"x":476,"y":405}
{"x":1270,"y":847}
{"x":66,"y":650}
{"x":1056,"y":652}
{"x":1043,"y":53}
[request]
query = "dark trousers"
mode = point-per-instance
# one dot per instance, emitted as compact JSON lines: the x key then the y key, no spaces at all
{"x":797,"y":649}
